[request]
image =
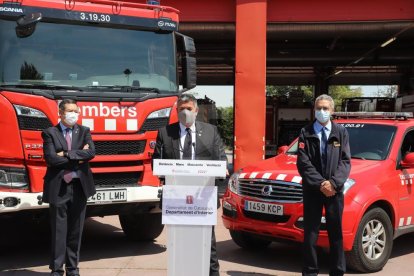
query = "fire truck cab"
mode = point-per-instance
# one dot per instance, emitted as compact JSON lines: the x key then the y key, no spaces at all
{"x":263,"y":201}
{"x":123,"y":62}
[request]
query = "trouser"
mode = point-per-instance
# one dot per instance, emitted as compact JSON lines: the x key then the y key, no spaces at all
{"x":67,"y":218}
{"x":313,"y":203}
{"x":214,"y":264}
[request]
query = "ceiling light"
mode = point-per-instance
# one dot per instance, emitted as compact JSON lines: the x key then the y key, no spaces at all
{"x":388,"y":42}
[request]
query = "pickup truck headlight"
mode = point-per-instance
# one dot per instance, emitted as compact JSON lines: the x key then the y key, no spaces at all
{"x":13,"y":178}
{"x":234,"y":182}
{"x":348,"y":184}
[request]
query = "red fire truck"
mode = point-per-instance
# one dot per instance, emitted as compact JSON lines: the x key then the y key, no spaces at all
{"x":263,"y":201}
{"x":120,"y":61}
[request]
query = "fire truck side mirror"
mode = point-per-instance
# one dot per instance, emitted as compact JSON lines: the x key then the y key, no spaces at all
{"x":408,"y":161}
{"x":26,"y":24}
{"x":282,"y":149}
{"x":186,"y":48}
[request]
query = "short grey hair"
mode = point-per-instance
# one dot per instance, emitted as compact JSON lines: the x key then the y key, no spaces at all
{"x":326,"y":98}
{"x":183,"y":98}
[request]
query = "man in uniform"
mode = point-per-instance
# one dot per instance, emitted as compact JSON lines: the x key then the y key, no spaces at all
{"x":324,"y":162}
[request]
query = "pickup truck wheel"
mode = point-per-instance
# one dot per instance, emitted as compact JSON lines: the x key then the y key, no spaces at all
{"x":373,"y":242}
{"x":248,"y":241}
{"x":141,"y":227}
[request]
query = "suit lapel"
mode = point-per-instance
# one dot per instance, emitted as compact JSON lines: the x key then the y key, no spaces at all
{"x":61,"y":138}
{"x":75,"y":137}
{"x":199,"y":138}
{"x":176,"y":143}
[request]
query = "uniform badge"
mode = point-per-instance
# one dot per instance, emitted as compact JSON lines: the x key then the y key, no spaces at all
{"x":301,"y":145}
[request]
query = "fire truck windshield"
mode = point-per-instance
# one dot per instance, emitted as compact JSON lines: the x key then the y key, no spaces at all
{"x":88,"y":57}
{"x":367,"y":141}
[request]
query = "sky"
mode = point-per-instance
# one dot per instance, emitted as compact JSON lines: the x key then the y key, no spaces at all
{"x":223,"y":94}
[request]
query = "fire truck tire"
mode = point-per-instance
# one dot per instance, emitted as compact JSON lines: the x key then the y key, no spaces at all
{"x":373,"y":242}
{"x":248,"y":241}
{"x":141,"y":227}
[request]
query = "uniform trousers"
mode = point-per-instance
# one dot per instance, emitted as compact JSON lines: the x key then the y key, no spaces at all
{"x":313,"y":204}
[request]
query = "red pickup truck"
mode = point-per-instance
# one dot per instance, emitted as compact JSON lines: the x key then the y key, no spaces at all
{"x":263,"y":201}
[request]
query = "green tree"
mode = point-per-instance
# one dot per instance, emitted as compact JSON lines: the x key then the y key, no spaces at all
{"x":225,"y":125}
{"x":284,"y":91}
{"x":340,"y":92}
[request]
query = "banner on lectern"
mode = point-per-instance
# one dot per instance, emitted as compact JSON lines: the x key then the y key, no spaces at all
{"x":189,"y":205}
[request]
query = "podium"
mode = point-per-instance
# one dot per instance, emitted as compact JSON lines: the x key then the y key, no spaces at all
{"x":189,"y":210}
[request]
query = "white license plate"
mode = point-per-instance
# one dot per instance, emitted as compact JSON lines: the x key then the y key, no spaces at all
{"x":261,"y":207}
{"x":105,"y":196}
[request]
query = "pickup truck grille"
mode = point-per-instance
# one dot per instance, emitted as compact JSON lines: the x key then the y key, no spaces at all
{"x":119,"y":147}
{"x":281,"y":191}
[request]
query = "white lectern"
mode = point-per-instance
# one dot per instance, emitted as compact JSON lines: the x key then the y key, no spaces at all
{"x":189,"y":209}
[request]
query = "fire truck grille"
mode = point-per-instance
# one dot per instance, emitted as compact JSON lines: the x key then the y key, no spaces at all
{"x":154,"y":124}
{"x":271,"y":190}
{"x":125,"y":179}
{"x":33,"y":123}
{"x":266,"y":217}
{"x":119,"y":147}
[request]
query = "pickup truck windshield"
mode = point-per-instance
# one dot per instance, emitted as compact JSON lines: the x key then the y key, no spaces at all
{"x":88,"y":58}
{"x":367,"y":141}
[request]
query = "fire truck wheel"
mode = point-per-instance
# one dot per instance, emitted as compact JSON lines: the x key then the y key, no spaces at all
{"x":373,"y":242}
{"x":141,"y":227}
{"x":248,"y":241}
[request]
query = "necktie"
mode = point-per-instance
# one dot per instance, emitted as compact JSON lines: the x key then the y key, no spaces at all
{"x":324,"y":147}
{"x":67,"y":175}
{"x":187,"y":154}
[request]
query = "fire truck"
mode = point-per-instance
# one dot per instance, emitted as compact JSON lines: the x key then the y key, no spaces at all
{"x":124,"y":63}
{"x":264,"y":201}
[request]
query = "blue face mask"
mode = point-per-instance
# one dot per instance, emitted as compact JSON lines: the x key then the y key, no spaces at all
{"x":322,"y":116}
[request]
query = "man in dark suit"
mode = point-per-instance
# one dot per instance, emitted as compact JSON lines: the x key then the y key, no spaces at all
{"x":324,"y":162}
{"x":68,"y":182}
{"x":189,"y":139}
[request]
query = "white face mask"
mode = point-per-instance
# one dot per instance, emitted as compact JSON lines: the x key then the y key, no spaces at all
{"x":187,"y":117}
{"x":71,"y":118}
{"x":322,"y":116}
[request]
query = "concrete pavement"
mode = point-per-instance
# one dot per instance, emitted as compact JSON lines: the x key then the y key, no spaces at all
{"x":24,"y":251}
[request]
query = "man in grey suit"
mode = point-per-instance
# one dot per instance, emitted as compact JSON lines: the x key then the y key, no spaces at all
{"x":67,"y":148}
{"x":189,"y":139}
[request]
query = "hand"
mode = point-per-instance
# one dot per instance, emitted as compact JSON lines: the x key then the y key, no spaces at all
{"x":60,"y":153}
{"x":227,"y":172}
{"x":85,"y":147}
{"x":327,"y":188}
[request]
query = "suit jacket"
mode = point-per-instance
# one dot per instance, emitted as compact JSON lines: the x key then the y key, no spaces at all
{"x":208,"y":145}
{"x":77,"y":160}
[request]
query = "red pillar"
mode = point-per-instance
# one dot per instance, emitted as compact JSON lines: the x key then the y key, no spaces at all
{"x":250,"y":82}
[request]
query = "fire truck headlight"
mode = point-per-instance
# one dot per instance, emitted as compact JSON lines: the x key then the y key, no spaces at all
{"x":234,"y":182}
{"x":13,"y":178}
{"x":162,"y":113}
{"x":348,"y":184}
{"x":28,"y":111}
